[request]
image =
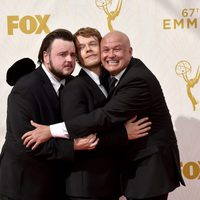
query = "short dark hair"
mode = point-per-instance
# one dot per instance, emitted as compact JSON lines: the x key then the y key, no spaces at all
{"x":48,"y":40}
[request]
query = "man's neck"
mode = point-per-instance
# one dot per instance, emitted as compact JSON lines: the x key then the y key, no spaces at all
{"x":95,"y":69}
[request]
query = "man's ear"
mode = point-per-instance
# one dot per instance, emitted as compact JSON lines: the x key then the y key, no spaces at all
{"x":46,"y":57}
{"x":131,"y":51}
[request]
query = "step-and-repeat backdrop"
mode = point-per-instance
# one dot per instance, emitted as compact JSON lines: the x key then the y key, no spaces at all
{"x":165,"y":34}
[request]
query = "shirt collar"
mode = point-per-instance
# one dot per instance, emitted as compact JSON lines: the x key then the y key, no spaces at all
{"x":92,"y":75}
{"x":56,"y":84}
{"x":118,"y":76}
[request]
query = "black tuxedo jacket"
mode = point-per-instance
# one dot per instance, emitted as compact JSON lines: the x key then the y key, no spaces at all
{"x":94,"y":173}
{"x":152,"y":165}
{"x":26,"y":174}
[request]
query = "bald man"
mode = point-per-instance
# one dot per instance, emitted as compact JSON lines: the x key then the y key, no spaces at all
{"x":151,"y":166}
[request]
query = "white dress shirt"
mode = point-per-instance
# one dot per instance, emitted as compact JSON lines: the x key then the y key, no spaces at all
{"x":56,"y":84}
{"x":55,"y":131}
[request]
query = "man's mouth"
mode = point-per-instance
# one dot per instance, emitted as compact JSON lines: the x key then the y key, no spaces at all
{"x":112,"y":62}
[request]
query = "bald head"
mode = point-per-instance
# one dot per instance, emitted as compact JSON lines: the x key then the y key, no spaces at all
{"x":117,"y":34}
{"x":116,"y":52}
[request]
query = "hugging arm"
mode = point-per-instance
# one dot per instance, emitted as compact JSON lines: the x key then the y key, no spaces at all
{"x":134,"y":130}
{"x":22,"y":107}
{"x":114,"y":132}
{"x":131,"y":98}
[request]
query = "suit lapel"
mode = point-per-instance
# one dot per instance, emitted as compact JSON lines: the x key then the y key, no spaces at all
{"x":48,"y":87}
{"x":92,"y":85}
{"x":130,"y":65}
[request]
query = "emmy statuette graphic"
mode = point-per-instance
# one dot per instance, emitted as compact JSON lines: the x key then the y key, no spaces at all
{"x":183,"y":69}
{"x":111,"y":14}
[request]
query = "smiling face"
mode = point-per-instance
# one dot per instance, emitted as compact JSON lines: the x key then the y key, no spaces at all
{"x":88,"y":50}
{"x":115,"y":52}
{"x":60,"y":59}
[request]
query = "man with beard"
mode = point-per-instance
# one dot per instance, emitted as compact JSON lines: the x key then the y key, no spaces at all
{"x":39,"y":175}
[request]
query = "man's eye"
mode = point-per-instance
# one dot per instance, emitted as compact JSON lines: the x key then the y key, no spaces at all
{"x":93,"y":44}
{"x":105,"y":50}
{"x":80,"y":47}
{"x":116,"y":50}
{"x":73,"y":55}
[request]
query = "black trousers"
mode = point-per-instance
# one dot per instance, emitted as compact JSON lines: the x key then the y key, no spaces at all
{"x":82,"y":198}
{"x":162,"y":197}
{"x":5,"y":198}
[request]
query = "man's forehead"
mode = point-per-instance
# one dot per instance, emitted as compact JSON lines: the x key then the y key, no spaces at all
{"x":90,"y":38}
{"x":111,"y":42}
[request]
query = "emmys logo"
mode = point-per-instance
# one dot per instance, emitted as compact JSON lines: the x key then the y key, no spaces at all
{"x":184,"y":70}
{"x":188,"y":20}
{"x":111,"y":14}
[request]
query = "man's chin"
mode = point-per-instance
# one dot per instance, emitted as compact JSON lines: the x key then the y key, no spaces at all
{"x":111,"y":69}
{"x":68,"y":72}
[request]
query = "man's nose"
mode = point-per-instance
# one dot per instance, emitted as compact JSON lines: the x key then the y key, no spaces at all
{"x":111,"y":53}
{"x":87,"y":47}
{"x":69,"y":58}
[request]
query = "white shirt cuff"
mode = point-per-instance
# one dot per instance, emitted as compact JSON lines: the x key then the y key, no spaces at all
{"x":59,"y":130}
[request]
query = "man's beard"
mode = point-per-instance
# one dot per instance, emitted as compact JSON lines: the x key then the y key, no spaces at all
{"x":57,"y":73}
